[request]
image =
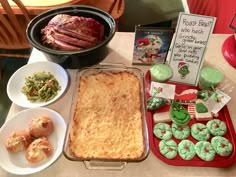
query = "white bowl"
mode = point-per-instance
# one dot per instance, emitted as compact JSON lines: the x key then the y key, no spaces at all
{"x":17,"y":81}
{"x":16,"y":163}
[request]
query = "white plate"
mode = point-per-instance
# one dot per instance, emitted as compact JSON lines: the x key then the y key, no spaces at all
{"x":17,"y":81}
{"x":16,"y":163}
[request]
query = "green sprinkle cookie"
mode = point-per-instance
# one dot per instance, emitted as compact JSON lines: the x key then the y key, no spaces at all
{"x":216,"y":127}
{"x":186,"y":149}
{"x":222,"y":146}
{"x":180,"y":131}
{"x":200,"y":132}
{"x":162,"y":131}
{"x":205,"y":150}
{"x":168,"y":148}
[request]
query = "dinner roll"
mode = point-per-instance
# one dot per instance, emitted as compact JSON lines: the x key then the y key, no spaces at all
{"x":41,"y":126}
{"x":18,"y":140}
{"x":39,"y":150}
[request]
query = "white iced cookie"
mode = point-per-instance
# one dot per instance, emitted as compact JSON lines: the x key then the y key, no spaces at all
{"x":202,"y":112}
{"x":161,"y":117}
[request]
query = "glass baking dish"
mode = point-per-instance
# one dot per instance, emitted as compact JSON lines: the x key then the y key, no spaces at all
{"x":94,"y":163}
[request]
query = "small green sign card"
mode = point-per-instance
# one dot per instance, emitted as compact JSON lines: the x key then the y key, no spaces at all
{"x":189,"y":45}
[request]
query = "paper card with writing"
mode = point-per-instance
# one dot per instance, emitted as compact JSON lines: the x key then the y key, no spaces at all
{"x":217,"y":101}
{"x":151,"y":45}
{"x":189,"y":46}
{"x":164,"y":90}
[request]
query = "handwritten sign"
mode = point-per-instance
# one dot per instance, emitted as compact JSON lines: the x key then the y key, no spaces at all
{"x":191,"y":38}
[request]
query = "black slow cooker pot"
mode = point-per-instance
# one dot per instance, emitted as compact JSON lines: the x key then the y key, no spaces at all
{"x":72,"y":59}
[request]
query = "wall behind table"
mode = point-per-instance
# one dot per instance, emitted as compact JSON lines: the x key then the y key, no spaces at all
{"x":149,"y":11}
{"x":223,"y":10}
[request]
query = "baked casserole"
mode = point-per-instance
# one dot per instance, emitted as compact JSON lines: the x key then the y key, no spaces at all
{"x":107,"y":121}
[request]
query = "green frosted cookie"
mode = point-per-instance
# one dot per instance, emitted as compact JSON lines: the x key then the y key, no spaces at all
{"x":168,"y":148}
{"x":200,"y":132}
{"x":222,"y":146}
{"x":180,"y":131}
{"x":186,"y":149}
{"x":205,"y":150}
{"x":179,"y":114}
{"x":162,"y":130}
{"x":216,"y":127}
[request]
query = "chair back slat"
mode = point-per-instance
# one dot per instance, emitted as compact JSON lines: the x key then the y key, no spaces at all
{"x":23,"y":9}
{"x":11,"y":16}
{"x":6,"y":25}
{"x":5,"y":39}
{"x":13,"y":27}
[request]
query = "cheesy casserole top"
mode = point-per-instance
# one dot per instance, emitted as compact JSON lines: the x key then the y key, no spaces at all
{"x":107,"y":122}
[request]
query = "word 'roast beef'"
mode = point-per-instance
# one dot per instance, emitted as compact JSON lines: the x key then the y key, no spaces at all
{"x":67,"y":32}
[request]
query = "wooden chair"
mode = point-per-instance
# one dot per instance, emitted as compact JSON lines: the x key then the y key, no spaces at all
{"x":114,"y":7}
{"x":13,"y":31}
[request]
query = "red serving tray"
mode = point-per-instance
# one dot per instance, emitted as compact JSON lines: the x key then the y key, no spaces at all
{"x":219,"y":162}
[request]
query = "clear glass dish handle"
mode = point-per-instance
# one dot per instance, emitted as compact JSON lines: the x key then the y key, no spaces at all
{"x":118,"y":65}
{"x":102,"y":165}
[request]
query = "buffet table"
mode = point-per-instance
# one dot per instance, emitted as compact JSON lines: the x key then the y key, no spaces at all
{"x":121,"y":48}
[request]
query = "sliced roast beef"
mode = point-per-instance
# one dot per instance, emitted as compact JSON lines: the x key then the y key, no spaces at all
{"x":76,"y":34}
{"x":64,"y":46}
{"x":71,"y":40}
{"x":67,"y":32}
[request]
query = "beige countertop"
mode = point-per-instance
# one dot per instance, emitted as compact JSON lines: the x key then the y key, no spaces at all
{"x":121,"y":48}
